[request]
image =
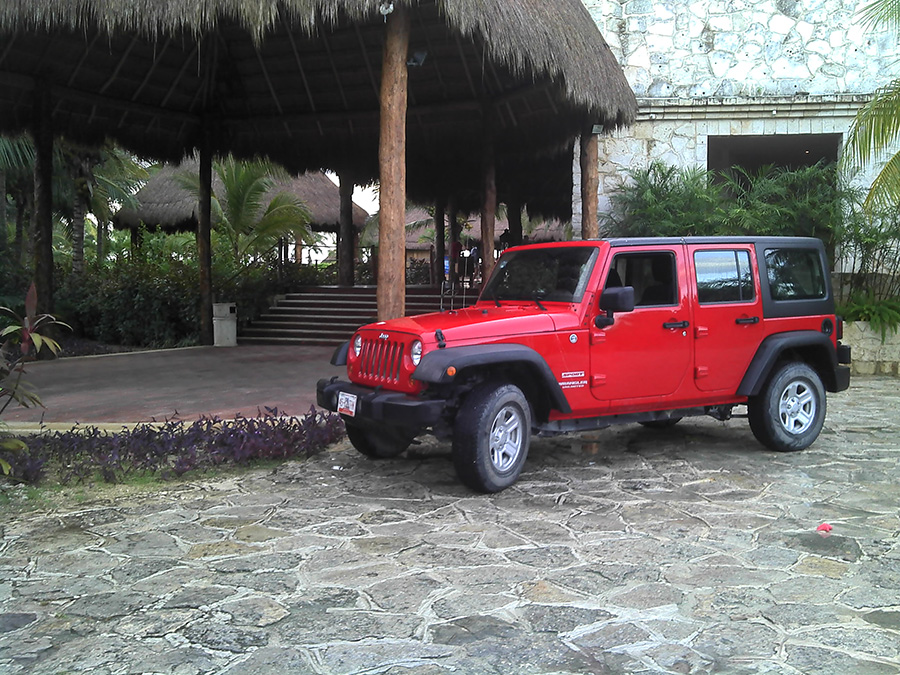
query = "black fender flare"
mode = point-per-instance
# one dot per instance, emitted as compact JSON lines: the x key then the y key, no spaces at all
{"x":339,"y":358}
{"x":433,"y":367}
{"x":772,"y":347}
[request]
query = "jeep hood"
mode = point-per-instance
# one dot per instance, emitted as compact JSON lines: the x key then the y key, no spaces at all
{"x":479,"y":323}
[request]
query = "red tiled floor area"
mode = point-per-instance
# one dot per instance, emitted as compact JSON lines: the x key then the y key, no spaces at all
{"x":189,"y":383}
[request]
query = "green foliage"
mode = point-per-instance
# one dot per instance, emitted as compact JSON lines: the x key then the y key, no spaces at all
{"x":24,"y":338}
{"x":418,"y":272}
{"x":245,"y":213}
{"x":868,"y":246}
{"x":876,"y":127}
{"x":883,"y":315}
{"x":665,"y":201}
{"x":149,"y":300}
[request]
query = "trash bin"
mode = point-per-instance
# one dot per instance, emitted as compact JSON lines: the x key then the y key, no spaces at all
{"x":224,"y":324}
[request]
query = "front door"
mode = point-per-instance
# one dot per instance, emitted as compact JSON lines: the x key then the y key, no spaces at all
{"x":647,"y":352}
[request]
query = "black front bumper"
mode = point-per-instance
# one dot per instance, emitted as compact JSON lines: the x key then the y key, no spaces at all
{"x":373,"y":405}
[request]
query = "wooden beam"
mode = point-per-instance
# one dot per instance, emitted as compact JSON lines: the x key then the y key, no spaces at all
{"x":455,"y":244}
{"x":489,"y":194}
{"x":391,"y":291}
{"x":204,"y":245}
{"x":42,"y":132}
{"x":590,"y":185}
{"x":366,"y":60}
{"x":440,"y":249}
{"x":514,"y":218}
{"x":345,"y":244}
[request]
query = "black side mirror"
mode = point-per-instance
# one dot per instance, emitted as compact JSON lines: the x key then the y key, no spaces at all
{"x":616,"y":299}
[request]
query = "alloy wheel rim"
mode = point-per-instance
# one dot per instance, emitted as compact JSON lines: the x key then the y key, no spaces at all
{"x":506,"y":438}
{"x":797,"y":408}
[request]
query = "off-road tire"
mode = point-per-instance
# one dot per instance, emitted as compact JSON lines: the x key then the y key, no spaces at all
{"x":491,"y":437}
{"x":789,"y":412}
{"x":379,"y":443}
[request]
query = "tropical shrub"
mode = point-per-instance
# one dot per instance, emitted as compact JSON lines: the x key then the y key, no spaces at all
{"x":150,"y":297}
{"x":171,"y":449}
{"x":667,"y":201}
{"x":23,"y":339}
{"x":19,"y":342}
{"x":883,"y":315}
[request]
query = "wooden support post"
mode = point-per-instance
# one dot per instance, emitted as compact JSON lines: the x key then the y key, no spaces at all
{"x":43,"y":199}
{"x":455,"y":244}
{"x":204,"y":245}
{"x":440,"y":250}
{"x":391,"y":291}
{"x":590,"y":185}
{"x":489,"y":203}
{"x":345,"y":246}
{"x":514,"y":217}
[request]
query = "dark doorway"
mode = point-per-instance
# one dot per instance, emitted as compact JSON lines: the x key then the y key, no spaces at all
{"x":789,"y":151}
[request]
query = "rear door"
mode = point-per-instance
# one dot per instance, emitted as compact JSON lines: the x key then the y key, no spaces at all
{"x":727,"y":314}
{"x":645,"y":353}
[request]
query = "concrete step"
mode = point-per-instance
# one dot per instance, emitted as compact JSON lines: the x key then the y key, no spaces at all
{"x":329,"y":315}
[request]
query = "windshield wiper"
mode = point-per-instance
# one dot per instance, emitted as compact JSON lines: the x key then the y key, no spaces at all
{"x":537,"y":299}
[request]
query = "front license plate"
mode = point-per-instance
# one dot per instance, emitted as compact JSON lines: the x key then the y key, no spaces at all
{"x":347,"y":404}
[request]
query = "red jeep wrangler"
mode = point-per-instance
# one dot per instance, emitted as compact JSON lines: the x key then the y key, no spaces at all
{"x":581,"y":335}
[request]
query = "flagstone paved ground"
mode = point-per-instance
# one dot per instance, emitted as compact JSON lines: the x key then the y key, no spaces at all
{"x":691,"y":550}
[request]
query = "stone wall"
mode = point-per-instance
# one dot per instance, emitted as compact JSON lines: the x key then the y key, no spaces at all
{"x":704,"y":68}
{"x":745,"y":48}
{"x":871,"y":356}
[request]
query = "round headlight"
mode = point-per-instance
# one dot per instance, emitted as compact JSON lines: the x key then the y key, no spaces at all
{"x":416,"y":352}
{"x":357,"y":345}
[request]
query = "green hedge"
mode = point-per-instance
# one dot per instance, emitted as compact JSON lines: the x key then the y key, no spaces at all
{"x":151,"y":298}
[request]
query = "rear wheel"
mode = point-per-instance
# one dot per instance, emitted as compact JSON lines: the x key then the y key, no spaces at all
{"x":789,"y":412}
{"x":379,"y":443}
{"x":491,"y":437}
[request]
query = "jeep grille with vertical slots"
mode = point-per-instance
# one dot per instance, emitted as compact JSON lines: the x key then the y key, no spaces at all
{"x":381,"y":360}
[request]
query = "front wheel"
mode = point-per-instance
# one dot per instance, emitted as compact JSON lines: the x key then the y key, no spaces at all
{"x":491,"y":437}
{"x":789,"y":412}
{"x":379,"y":443}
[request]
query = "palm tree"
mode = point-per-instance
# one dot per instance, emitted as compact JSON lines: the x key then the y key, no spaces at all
{"x":240,"y":214}
{"x":876,"y":128}
{"x":16,"y":162}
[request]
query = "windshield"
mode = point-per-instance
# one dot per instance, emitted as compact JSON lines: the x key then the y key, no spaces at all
{"x":552,"y":274}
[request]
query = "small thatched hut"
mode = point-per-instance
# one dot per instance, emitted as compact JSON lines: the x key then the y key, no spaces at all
{"x":164,"y":204}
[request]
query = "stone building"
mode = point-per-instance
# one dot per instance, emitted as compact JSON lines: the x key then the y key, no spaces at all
{"x":740,"y":82}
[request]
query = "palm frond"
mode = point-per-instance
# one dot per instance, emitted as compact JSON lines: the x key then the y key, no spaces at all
{"x":885,"y":191}
{"x":876,"y":127}
{"x":881,"y":13}
{"x":16,"y":153}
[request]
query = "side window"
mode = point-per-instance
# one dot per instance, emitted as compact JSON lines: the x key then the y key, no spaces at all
{"x":795,"y":274}
{"x":723,"y":276}
{"x":651,"y":274}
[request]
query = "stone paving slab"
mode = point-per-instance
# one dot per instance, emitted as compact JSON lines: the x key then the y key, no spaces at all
{"x":691,"y":550}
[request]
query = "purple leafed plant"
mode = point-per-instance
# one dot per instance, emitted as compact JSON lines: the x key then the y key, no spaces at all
{"x":173,"y":448}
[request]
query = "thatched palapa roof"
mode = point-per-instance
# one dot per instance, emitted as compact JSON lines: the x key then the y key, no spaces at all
{"x":166,"y":205}
{"x":298,"y":81}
